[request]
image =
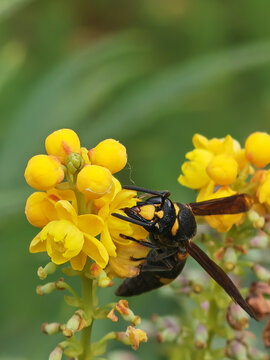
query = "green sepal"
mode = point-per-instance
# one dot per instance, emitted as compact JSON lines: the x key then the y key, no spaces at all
{"x":72,"y":301}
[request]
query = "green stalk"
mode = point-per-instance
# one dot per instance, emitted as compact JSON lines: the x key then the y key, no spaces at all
{"x":87,"y":299}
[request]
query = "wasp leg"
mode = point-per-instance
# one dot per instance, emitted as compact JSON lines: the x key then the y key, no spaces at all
{"x":143,"y":243}
{"x":147,"y":191}
{"x":137,"y":259}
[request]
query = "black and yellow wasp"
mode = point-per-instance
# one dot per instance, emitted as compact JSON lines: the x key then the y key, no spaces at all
{"x":171,"y":227}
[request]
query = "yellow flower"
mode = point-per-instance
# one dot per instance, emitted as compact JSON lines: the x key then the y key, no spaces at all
{"x":222,"y":169}
{"x":122,"y":265}
{"x":194,"y":171}
{"x":61,"y":143}
{"x":216,"y":146}
{"x":258,"y":149}
{"x":94,"y":181}
{"x":43,"y":172}
{"x":110,"y":154}
{"x":263,"y":191}
{"x":222,"y":223}
{"x":40,"y":206}
{"x":71,"y":238}
{"x":113,"y":226}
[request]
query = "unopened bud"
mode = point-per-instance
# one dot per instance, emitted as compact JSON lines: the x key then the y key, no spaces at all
{"x":50,"y":268}
{"x":74,"y":163}
{"x":230,"y":258}
{"x":260,"y":241}
{"x":103,"y":280}
{"x":50,"y":329}
{"x":197,"y":288}
{"x":237,"y":317}
{"x":262,"y":273}
{"x":74,"y":324}
{"x":95,"y":270}
{"x":236,"y":350}
{"x":56,"y":354}
{"x":255,"y":354}
{"x":45,"y":289}
{"x":201,"y":336}
{"x":126,"y":313}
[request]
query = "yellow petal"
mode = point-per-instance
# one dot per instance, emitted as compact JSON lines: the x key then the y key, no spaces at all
{"x":61,"y":143}
{"x":65,"y":211}
{"x":37,"y":245}
{"x":125,"y":198}
{"x":110,"y":154}
{"x":95,"y":250}
{"x":43,"y":172}
{"x":90,"y":224}
{"x":107,"y":241}
{"x":78,"y":262}
{"x":222,"y":169}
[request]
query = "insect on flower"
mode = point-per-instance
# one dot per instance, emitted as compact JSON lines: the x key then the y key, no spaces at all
{"x":171,"y":227}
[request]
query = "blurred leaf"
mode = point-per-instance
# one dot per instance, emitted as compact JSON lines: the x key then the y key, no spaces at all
{"x":130,"y":112}
{"x":12,"y":56}
{"x":66,"y":95}
{"x":8,"y":7}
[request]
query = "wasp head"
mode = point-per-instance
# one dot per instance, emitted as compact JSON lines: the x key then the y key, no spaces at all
{"x":156,"y":214}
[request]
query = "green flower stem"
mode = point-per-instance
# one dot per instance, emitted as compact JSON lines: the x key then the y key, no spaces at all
{"x":64,"y":285}
{"x":88,"y":308}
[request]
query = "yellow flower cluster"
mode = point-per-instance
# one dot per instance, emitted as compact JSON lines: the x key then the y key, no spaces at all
{"x":220,"y":167}
{"x":77,"y":194}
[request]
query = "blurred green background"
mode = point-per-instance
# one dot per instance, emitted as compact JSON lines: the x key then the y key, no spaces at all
{"x":149,"y":73}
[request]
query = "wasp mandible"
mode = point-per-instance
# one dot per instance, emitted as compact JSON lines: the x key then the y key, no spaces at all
{"x":171,"y":227}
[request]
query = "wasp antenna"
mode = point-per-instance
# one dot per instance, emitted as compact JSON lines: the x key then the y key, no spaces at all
{"x":219,"y":276}
{"x":133,"y":221}
{"x":164,"y":193}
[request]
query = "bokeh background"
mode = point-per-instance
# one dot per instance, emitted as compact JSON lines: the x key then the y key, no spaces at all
{"x":149,"y":73}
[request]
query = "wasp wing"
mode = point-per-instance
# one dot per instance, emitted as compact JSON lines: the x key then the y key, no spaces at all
{"x":219,"y":276}
{"x":234,"y":204}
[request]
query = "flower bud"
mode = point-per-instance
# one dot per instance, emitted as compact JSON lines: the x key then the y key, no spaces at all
{"x":56,"y":354}
{"x":49,"y":269}
{"x":110,"y":154}
{"x":261,"y":272}
{"x":121,"y":355}
{"x":74,"y":324}
{"x":222,"y":169}
{"x":201,"y":336}
{"x":258,"y":149}
{"x":237,"y":317}
{"x":61,"y":143}
{"x":103,"y":280}
{"x":51,"y":329}
{"x":260,"y":241}
{"x":256,"y":354}
{"x":256,"y":299}
{"x":266,"y":335}
{"x":94,"y":181}
{"x":74,"y":163}
{"x":127,"y":314}
{"x":230,"y":258}
{"x":43,"y":172}
{"x":45,"y":289}
{"x":236,"y":350}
